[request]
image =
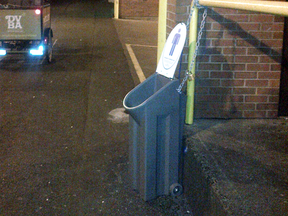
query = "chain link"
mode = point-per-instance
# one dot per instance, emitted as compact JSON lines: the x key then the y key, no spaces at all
{"x":202,"y":25}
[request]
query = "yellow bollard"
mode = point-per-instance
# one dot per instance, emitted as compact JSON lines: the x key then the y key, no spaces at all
{"x":191,"y":80}
{"x":116,"y":9}
{"x":162,"y":16}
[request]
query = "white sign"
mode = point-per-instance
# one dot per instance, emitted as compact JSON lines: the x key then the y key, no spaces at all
{"x":172,"y":51}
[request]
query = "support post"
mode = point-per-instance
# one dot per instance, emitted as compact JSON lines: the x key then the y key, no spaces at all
{"x":116,"y":9}
{"x":161,"y":27}
{"x":191,"y":82}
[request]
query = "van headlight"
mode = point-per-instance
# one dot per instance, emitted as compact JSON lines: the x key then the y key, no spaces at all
{"x":39,"y":51}
{"x":3,"y":52}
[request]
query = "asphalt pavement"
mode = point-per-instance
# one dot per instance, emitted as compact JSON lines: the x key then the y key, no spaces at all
{"x":62,"y":153}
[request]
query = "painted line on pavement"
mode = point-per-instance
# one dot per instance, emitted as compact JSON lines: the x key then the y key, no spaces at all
{"x":135,"y":62}
{"x":54,"y":42}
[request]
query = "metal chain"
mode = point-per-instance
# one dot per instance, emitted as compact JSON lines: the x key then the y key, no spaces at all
{"x":188,"y":73}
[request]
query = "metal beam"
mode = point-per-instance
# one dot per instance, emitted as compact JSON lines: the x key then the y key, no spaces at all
{"x":271,"y":7}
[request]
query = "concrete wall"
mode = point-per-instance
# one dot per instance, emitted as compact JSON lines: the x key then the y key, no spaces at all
{"x":239,"y":63}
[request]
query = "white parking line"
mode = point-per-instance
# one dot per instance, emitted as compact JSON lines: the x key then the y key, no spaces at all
{"x":135,"y":62}
{"x":55,"y":42}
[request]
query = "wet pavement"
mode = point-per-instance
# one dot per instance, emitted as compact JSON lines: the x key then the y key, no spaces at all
{"x":63,"y":154}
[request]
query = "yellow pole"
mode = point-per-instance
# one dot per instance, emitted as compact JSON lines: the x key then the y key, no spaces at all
{"x":162,"y":16}
{"x":116,"y":9}
{"x":271,"y":7}
{"x":191,"y":80}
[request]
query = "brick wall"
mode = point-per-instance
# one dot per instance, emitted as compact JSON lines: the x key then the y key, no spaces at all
{"x":239,"y":63}
{"x":138,"y":8}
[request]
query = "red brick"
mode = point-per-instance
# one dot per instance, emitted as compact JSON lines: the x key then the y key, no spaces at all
{"x":225,"y":11}
{"x":201,"y":90}
{"x":269,"y":75}
{"x":267,"y":106}
{"x":207,"y":82}
{"x":172,"y":8}
{"x":258,"y":67}
{"x":258,"y":51}
{"x":220,"y":58}
{"x":279,"y":19}
{"x":274,"y":83}
{"x":262,"y":35}
{"x":247,"y":42}
{"x":181,"y":9}
{"x":249,"y":26}
{"x":272,"y":114}
{"x":181,"y":17}
{"x":256,"y":83}
{"x":235,"y":67}
{"x":205,"y":66}
{"x":274,"y":99}
{"x":235,"y":34}
{"x":184,"y":2}
{"x":272,"y":26}
{"x":212,"y":18}
{"x":254,"y":114}
{"x":203,"y":58}
{"x":246,"y":75}
{"x":277,"y":35}
{"x":244,"y":91}
{"x":245,"y":106}
{"x":234,"y":98}
{"x":147,"y":8}
{"x":264,"y":18}
{"x":221,"y":74}
{"x":248,"y":59}
{"x":202,"y":74}
{"x":220,"y":90}
{"x":223,"y":42}
{"x":232,"y":83}
{"x":212,"y":34}
{"x":234,"y":51}
{"x":273,"y":43}
{"x":244,"y":12}
{"x":208,"y":26}
{"x":258,"y":99}
{"x":275,"y":67}
{"x":171,"y":16}
{"x":268,"y":91}
{"x":214,"y":51}
{"x":269,"y":59}
{"x":220,"y":26}
{"x":238,"y":17}
{"x":276,"y":51}
{"x":207,"y":98}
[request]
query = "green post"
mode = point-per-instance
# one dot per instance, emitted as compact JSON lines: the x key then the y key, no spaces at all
{"x":191,"y":80}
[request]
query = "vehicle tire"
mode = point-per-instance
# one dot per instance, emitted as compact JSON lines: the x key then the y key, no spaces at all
{"x":49,"y":54}
{"x":176,"y":189}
